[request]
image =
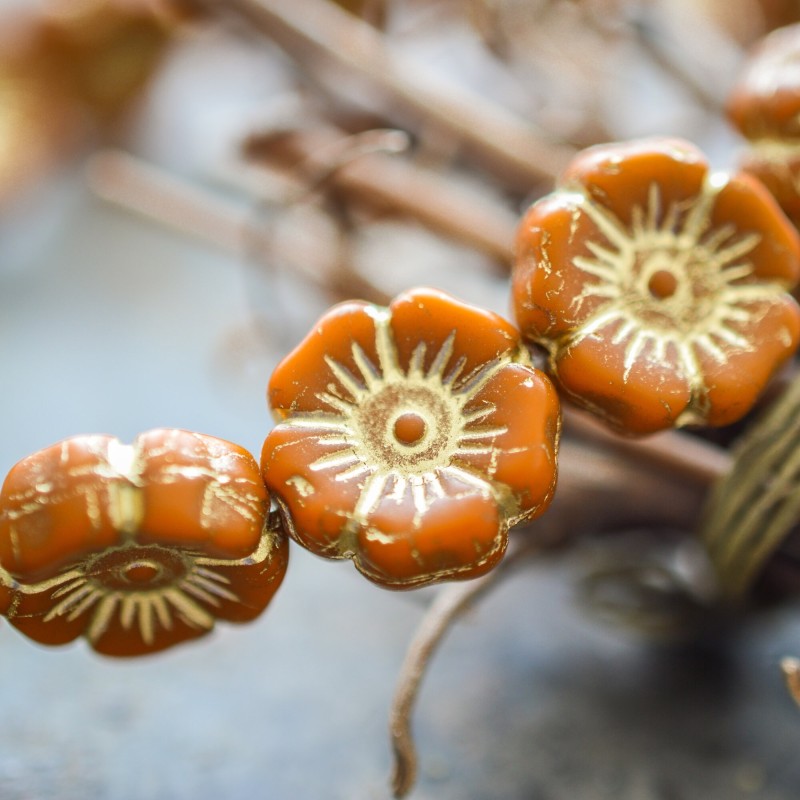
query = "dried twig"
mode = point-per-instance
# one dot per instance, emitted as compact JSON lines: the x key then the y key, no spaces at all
{"x":387,"y":184}
{"x":679,"y":453}
{"x":319,"y":35}
{"x":137,"y":186}
{"x":145,"y":189}
{"x":449,"y":604}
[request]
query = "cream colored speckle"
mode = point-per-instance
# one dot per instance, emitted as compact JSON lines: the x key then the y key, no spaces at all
{"x":303,"y":487}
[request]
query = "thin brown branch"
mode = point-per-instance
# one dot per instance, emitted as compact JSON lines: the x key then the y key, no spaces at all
{"x":151,"y":192}
{"x":385,"y":183}
{"x":689,"y":48}
{"x":233,"y":227}
{"x":449,"y":604}
{"x":674,"y":451}
{"x":320,"y":36}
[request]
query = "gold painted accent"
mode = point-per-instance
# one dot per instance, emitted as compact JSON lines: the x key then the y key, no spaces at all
{"x":222,"y":491}
{"x":5,"y":579}
{"x":755,"y":506}
{"x":365,"y":407}
{"x":669,"y":281}
{"x":125,"y":501}
{"x":184,"y":586}
{"x":774,"y":150}
{"x":304,"y":488}
{"x":125,"y":507}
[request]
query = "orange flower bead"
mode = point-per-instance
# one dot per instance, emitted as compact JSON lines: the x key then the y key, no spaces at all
{"x":137,"y":547}
{"x":410,"y":438}
{"x":765,"y":106}
{"x":658,"y":288}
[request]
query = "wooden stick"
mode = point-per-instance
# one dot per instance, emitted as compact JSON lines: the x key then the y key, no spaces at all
{"x":677,"y":452}
{"x":385,"y":183}
{"x":448,"y":605}
{"x":153,"y":193}
{"x":233,"y":227}
{"x":317,"y":35}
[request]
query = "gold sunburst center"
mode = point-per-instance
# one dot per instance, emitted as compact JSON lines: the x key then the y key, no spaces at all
{"x":408,"y":426}
{"x":673,"y":278}
{"x":137,"y":568}
{"x":671,"y":287}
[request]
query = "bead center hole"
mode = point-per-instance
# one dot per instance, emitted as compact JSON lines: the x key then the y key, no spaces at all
{"x":409,"y":428}
{"x":142,"y":572}
{"x":662,"y":284}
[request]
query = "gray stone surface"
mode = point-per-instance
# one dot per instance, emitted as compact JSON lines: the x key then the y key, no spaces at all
{"x":109,"y":325}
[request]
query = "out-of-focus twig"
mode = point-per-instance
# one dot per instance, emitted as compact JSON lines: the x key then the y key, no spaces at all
{"x":134,"y":184}
{"x":690,"y":48}
{"x":674,"y":451}
{"x":391,"y":185}
{"x":137,"y":186}
{"x":319,"y":35}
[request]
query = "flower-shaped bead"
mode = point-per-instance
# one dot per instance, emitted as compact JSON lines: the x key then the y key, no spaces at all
{"x":658,"y":288}
{"x":765,"y":106}
{"x":410,"y":438}
{"x":137,"y":547}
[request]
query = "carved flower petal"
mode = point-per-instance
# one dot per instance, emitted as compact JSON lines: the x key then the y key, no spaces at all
{"x":449,"y":528}
{"x":125,"y":642}
{"x":28,"y":614}
{"x":681,"y":254}
{"x":445,"y":325}
{"x":630,"y":384}
{"x":319,"y":505}
{"x":780,"y":173}
{"x":57,"y":505}
{"x":32,"y":618}
{"x":515,"y":443}
{"x":746,"y":204}
{"x":733,"y":385}
{"x":618,"y":176}
{"x":242,"y":591}
{"x":381,"y":476}
{"x":555,"y":288}
{"x":200,"y":491}
{"x":123,"y":621}
{"x":325,"y":362}
{"x":213,"y":590}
